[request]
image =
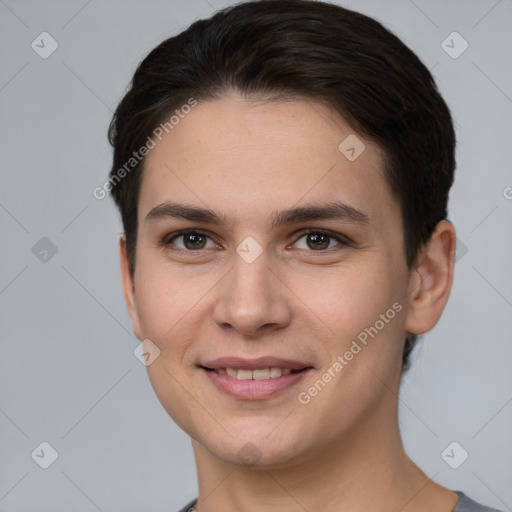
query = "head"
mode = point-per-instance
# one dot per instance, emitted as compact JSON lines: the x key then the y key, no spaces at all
{"x":265,"y":107}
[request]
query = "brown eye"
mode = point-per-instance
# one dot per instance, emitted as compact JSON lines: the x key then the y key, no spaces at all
{"x":191,"y":241}
{"x":317,"y":241}
{"x":194,"y":241}
{"x":320,"y":240}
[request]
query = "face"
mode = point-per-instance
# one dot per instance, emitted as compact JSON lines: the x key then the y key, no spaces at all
{"x":264,"y":244}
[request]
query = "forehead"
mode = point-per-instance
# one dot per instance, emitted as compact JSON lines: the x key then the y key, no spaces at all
{"x":247,"y":158}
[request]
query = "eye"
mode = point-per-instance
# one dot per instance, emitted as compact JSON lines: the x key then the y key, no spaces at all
{"x":191,"y":241}
{"x":314,"y":240}
{"x":319,"y":240}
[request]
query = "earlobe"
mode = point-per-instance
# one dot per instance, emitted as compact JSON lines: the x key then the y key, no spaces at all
{"x":128,"y":287}
{"x":431,"y":281}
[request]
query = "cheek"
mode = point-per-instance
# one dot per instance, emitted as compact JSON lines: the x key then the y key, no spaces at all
{"x":364,"y":311}
{"x":167,"y":305}
{"x":348,"y":300}
{"x":165,"y":297}
{"x":365,"y":314}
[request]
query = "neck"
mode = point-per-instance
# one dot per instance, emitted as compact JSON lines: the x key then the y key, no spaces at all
{"x":365,"y":470}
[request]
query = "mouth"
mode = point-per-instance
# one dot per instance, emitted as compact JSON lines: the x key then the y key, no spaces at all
{"x":273,"y":372}
{"x":255,"y":379}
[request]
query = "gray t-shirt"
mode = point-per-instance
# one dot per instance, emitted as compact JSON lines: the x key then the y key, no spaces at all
{"x":464,"y":504}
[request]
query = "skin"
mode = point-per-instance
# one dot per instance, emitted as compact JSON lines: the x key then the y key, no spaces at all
{"x":246,"y":159}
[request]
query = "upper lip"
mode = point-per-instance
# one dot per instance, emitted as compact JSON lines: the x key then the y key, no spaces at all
{"x":253,"y":364}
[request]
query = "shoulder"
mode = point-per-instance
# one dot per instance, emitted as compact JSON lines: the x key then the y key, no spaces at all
{"x":190,"y":507}
{"x":466,"y":504}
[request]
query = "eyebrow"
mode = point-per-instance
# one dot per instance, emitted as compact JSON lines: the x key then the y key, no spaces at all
{"x":308,"y":212}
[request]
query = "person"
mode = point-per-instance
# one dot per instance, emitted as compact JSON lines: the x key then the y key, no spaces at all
{"x":282,"y":170}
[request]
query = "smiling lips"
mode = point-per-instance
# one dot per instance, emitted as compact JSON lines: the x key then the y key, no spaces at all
{"x":259,"y":374}
{"x":262,"y":368}
{"x":253,"y":379}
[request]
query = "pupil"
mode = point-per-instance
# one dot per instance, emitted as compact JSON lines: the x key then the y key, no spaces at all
{"x":319,"y":241}
{"x":195,"y":241}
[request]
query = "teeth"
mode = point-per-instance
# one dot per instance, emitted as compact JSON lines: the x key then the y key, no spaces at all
{"x":275,"y":372}
{"x":244,"y":375}
{"x":259,"y":374}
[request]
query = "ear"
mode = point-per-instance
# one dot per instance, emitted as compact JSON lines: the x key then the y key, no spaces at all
{"x":431,"y":281}
{"x":129,"y":288}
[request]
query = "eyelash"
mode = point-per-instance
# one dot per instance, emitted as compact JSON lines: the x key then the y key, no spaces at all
{"x":342,"y":240}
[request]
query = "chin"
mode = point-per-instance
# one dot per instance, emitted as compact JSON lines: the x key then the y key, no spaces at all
{"x":257,"y":448}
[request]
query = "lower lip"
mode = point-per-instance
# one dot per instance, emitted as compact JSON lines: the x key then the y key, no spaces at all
{"x":254,"y":389}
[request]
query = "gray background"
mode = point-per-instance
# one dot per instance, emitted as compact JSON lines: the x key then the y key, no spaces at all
{"x":68,"y":375}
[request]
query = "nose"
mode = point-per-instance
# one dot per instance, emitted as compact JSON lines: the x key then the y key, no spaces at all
{"x":252,"y":299}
